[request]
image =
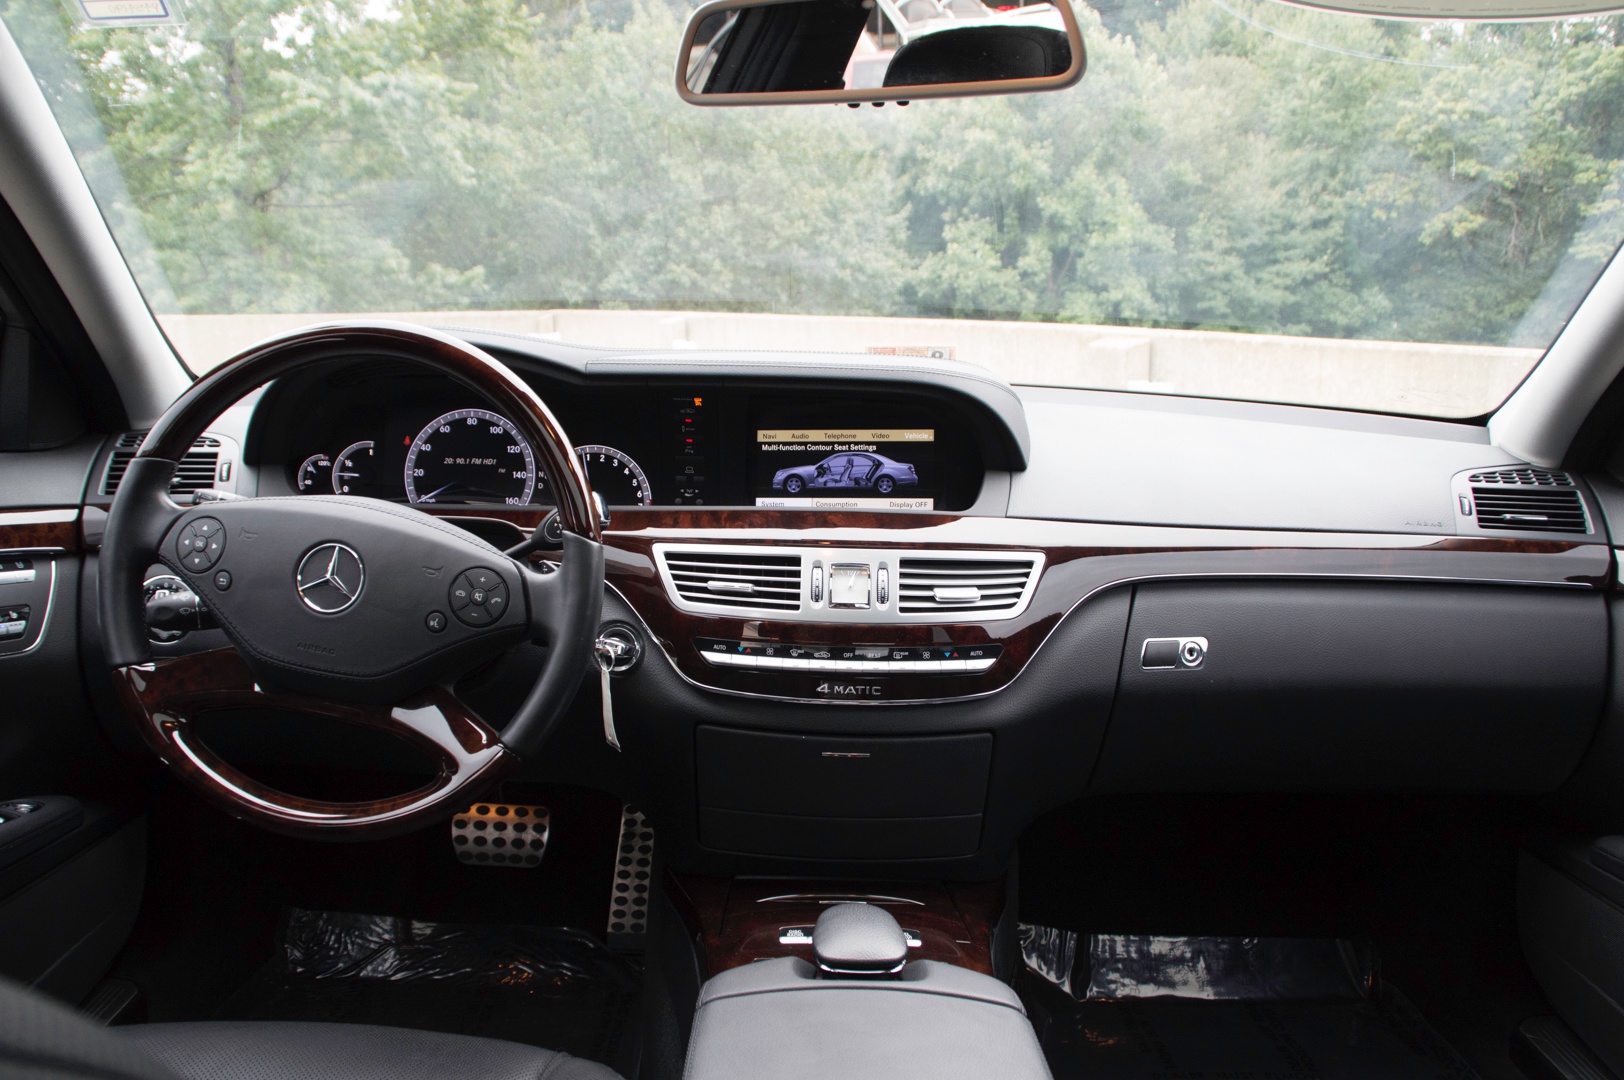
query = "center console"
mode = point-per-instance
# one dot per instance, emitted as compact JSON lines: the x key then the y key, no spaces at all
{"x":859,"y":1008}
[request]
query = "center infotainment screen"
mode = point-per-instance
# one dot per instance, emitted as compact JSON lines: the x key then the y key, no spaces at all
{"x":824,"y":468}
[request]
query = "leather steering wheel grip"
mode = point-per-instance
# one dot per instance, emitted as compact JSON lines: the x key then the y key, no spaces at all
{"x":563,"y":607}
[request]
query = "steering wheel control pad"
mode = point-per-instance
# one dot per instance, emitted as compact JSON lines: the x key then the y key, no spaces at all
{"x":202,"y":543}
{"x":336,"y":596}
{"x":479,"y":596}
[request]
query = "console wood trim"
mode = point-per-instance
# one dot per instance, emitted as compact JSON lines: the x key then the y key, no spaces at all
{"x":40,"y":530}
{"x":734,"y":922}
{"x":1080,"y":559}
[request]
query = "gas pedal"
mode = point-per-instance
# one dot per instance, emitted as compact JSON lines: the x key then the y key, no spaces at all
{"x":634,"y":862}
{"x":501,"y":834}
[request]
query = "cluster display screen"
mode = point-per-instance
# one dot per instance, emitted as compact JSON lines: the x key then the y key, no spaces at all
{"x":825,"y":468}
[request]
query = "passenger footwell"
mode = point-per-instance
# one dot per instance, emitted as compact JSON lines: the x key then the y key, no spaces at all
{"x":1130,"y":1007}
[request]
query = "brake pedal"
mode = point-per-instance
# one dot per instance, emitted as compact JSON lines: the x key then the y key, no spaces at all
{"x":501,"y":834}
{"x":634,"y":863}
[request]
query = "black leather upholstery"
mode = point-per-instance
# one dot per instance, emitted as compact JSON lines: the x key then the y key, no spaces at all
{"x":266,"y":1050}
{"x":43,"y":1040}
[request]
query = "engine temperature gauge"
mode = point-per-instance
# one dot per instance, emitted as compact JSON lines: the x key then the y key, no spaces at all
{"x":316,"y":474}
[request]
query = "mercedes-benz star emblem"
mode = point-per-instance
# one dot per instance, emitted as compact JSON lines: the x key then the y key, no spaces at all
{"x":330,"y":578}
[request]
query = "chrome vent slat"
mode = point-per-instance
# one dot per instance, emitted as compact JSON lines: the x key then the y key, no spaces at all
{"x":998,"y":584}
{"x":747,"y":583}
{"x":1528,"y":500}
{"x":195,"y":472}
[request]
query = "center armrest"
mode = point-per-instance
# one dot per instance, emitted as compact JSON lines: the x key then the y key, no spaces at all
{"x":780,"y":1019}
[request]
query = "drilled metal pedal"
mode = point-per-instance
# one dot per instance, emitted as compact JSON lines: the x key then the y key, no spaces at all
{"x":501,"y":834}
{"x":634,"y":862}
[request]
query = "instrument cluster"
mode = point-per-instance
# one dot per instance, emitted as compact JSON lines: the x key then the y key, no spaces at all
{"x":467,"y":455}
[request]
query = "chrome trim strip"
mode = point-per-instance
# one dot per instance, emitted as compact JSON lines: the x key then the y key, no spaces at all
{"x":39,"y":517}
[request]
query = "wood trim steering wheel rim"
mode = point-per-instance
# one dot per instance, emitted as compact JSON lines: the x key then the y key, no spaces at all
{"x":166,"y":695}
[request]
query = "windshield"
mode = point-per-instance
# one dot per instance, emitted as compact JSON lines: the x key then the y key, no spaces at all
{"x":1241,"y":199}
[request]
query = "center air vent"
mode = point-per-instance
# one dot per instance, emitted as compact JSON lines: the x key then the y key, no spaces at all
{"x":958,"y":585}
{"x":855,"y":586}
{"x":197,"y":469}
{"x":1527,"y":500}
{"x":734,"y":580}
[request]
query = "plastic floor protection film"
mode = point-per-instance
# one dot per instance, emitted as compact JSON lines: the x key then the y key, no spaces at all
{"x":1134,"y":1007}
{"x":551,"y":987}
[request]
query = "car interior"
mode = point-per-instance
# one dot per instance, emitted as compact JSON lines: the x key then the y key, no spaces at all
{"x":396,"y":696}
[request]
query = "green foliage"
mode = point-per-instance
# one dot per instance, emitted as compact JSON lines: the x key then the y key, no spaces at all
{"x":1234,"y":164}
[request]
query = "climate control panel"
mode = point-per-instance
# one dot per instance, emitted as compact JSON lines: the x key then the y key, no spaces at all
{"x":849,"y":659}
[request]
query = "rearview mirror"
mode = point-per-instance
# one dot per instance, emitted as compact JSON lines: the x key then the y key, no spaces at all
{"x":798,"y":52}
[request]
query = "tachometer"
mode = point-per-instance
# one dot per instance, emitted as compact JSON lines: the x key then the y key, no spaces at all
{"x":470,"y":455}
{"x":615,"y":476}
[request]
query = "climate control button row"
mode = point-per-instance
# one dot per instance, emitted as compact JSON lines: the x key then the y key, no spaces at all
{"x":868,"y":659}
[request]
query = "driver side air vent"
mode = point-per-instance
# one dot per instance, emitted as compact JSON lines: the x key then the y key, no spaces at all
{"x":954,"y":585}
{"x":734,"y":580}
{"x":196,"y":472}
{"x":1527,"y":500}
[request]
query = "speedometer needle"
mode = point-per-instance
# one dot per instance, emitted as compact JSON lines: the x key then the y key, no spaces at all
{"x":436,"y":491}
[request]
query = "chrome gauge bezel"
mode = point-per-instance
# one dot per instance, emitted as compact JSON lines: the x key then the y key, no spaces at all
{"x":429,"y":429}
{"x":349,"y":452}
{"x":320,"y":468}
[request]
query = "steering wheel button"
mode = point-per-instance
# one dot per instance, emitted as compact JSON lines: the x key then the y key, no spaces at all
{"x":475,"y":616}
{"x":481,"y":578}
{"x":207,"y":526}
{"x":477,"y":596}
{"x":435,"y":621}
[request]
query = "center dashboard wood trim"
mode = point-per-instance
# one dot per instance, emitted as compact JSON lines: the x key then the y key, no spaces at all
{"x":1082,"y":559}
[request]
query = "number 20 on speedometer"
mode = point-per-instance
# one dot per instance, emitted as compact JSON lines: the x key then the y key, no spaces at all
{"x":470,"y":455}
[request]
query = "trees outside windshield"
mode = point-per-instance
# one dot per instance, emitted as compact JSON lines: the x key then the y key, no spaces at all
{"x":1225,"y":166}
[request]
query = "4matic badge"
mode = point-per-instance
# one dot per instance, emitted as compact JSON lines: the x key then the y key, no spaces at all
{"x":831,"y":689}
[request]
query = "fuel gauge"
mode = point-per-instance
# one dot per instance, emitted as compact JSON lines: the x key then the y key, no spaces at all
{"x":353,"y":471}
{"x":316,"y":474}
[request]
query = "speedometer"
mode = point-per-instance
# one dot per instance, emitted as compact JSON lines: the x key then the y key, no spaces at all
{"x":470,"y":455}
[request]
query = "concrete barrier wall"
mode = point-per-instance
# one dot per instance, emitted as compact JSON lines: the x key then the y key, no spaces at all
{"x":1440,"y":380}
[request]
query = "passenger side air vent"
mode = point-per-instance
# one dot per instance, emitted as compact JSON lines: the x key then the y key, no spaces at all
{"x":734,"y":580}
{"x":1527,"y":500}
{"x":197,"y":469}
{"x":956,"y":585}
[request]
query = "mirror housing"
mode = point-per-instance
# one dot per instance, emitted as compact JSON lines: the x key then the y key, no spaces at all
{"x":804,"y":52}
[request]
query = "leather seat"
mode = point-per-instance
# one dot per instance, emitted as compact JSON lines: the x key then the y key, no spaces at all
{"x":41,"y":1039}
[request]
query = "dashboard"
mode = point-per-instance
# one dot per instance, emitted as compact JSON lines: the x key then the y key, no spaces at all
{"x":381,"y":430}
{"x":838,"y":562}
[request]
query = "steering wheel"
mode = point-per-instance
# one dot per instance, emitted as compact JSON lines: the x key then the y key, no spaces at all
{"x":351,"y":609}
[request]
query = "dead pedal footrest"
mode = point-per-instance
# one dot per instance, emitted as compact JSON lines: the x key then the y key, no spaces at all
{"x":634,"y":862}
{"x":501,"y":834}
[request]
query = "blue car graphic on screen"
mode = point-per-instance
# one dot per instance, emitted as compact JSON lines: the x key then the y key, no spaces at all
{"x":873,"y":472}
